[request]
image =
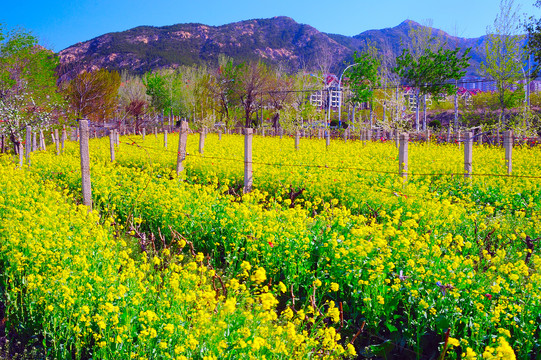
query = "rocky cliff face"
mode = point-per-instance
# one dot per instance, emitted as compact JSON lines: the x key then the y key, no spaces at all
{"x":279,"y":40}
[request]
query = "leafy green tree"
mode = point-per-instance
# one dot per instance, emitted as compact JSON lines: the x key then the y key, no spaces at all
{"x":159,"y":92}
{"x":28,"y":90}
{"x":363,"y":76}
{"x":431,"y":71}
{"x":504,"y":54}
{"x":533,"y":28}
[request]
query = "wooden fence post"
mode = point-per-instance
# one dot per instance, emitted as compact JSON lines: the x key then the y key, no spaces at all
{"x":403,"y":156}
{"x":220,"y":135}
{"x":165,"y":138}
{"x":112,"y":144}
{"x":21,"y":153}
{"x":449,"y":134}
{"x":64,"y":138}
{"x":369,"y":135}
{"x":34,"y":142}
{"x":182,"y":140}
{"x":468,"y":154}
{"x":297,"y":139}
{"x":57,"y":142}
{"x":155,"y":132}
{"x":202,"y":135}
{"x":28,"y":144}
{"x":248,"y":170}
{"x":85,"y":164}
{"x":42,"y":145}
{"x":144,"y":133}
{"x":327,"y":138}
{"x":508,"y":145}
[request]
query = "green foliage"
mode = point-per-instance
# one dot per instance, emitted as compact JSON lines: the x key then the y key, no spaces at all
{"x":28,"y":90}
{"x":363,"y":76}
{"x":26,"y":68}
{"x":158,"y":92}
{"x":533,"y":46}
{"x":435,"y":124}
{"x":431,"y":71}
{"x":484,"y":107}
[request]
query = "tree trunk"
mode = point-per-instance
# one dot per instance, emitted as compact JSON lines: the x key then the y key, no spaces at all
{"x":247,"y":117}
{"x":276,"y":122}
{"x":371,"y":116}
{"x":502,"y":113}
{"x":502,"y":108}
{"x":16,"y":143}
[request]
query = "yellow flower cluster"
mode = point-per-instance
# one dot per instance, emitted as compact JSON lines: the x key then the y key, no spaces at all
{"x":82,"y":288}
{"x":435,"y":250}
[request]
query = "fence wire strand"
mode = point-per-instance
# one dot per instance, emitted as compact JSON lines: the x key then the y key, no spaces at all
{"x":337,"y":168}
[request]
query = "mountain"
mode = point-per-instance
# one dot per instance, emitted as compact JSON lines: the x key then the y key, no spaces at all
{"x":391,"y":41}
{"x":276,"y":41}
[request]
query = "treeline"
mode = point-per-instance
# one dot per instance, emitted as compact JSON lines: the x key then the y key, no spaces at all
{"x":374,"y":90}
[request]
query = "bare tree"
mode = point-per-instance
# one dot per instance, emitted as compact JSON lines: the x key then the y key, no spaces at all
{"x":280,"y":93}
{"x":421,"y":40}
{"x":253,"y":86}
{"x":504,"y":54}
{"x":133,"y":98}
{"x":324,"y":59}
{"x":93,"y":94}
{"x":222,"y":85}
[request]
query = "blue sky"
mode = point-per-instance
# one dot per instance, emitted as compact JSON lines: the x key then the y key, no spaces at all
{"x":60,"y":24}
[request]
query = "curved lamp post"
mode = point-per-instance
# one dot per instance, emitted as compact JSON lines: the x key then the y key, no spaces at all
{"x":340,"y":94}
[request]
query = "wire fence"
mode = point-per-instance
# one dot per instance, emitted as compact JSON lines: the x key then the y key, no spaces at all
{"x":331,"y":167}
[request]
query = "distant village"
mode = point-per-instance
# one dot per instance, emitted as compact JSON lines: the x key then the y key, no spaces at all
{"x":467,"y":87}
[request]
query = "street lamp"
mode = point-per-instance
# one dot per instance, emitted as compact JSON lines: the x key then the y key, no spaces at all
{"x":340,"y":94}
